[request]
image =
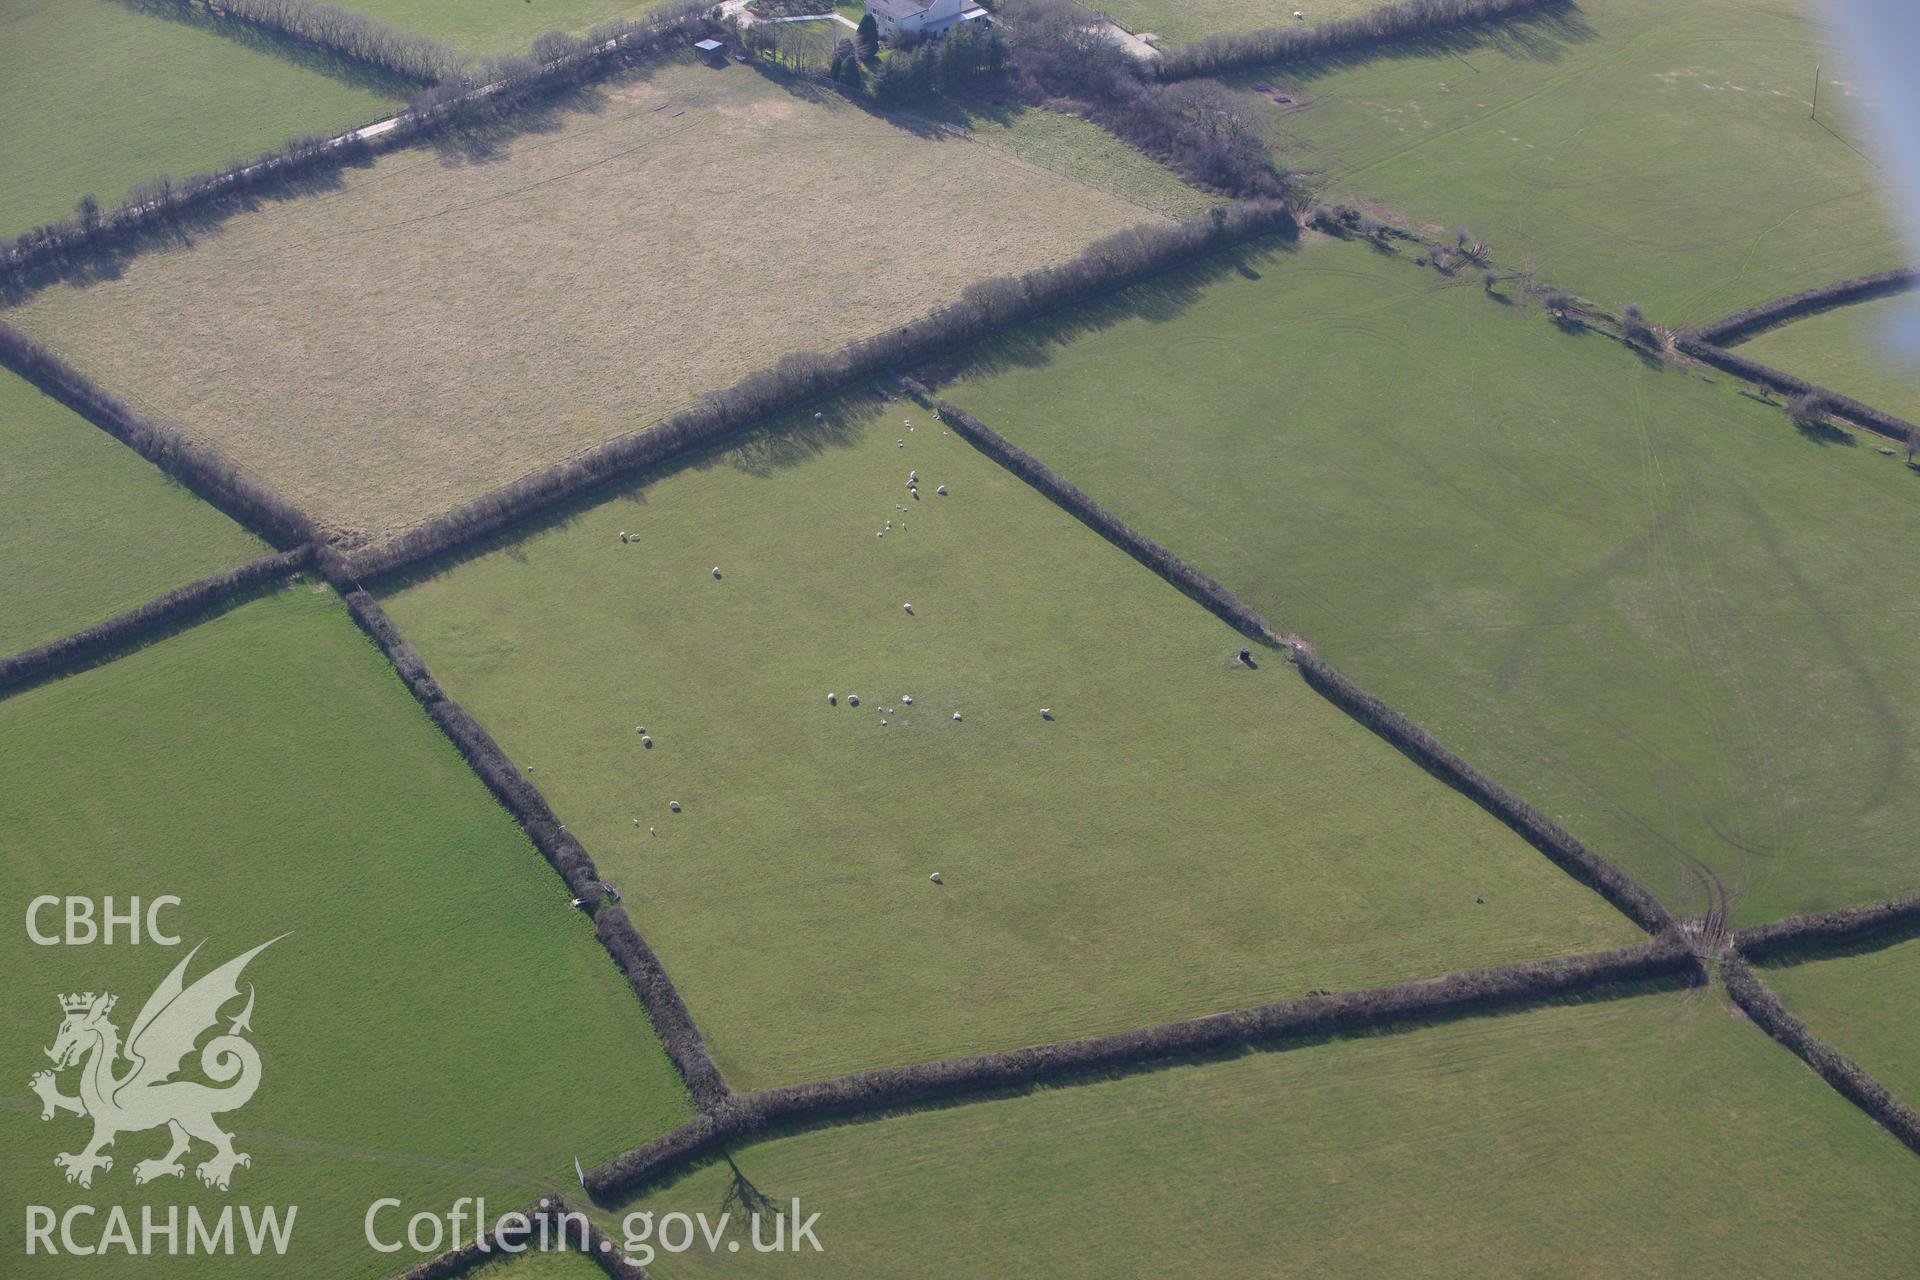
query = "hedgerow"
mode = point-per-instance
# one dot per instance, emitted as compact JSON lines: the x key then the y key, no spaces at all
{"x":1194,"y":584}
{"x":201,"y":469}
{"x":889,"y":1088}
{"x":1847,"y":1077}
{"x":795,"y":379}
{"x":1529,"y":823}
{"x":665,"y":1009}
{"x":155,"y":617}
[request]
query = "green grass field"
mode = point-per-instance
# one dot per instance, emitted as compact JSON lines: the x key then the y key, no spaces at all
{"x":1631,"y":150}
{"x":1639,"y":599}
{"x":90,"y":528}
{"x":497,"y":26}
{"x":1846,"y":350}
{"x":1659,"y":1135}
{"x":1861,"y":1003}
{"x":1178,"y":21}
{"x":1075,"y":149}
{"x":550,"y":1265}
{"x":454,"y":317}
{"x":100,"y":95}
{"x":1184,"y":836}
{"x":438,"y":1024}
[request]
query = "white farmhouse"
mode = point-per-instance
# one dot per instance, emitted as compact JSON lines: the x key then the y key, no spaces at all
{"x":913,"y":18}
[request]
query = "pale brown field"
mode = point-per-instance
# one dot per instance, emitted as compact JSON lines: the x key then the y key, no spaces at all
{"x":440,"y":325}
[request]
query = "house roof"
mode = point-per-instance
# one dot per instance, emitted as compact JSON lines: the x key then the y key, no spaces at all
{"x":899,"y":9}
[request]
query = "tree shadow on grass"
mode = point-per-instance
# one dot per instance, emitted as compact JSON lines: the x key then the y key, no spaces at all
{"x":795,"y":436}
{"x":1825,"y":433}
{"x":1157,"y":300}
{"x":1866,"y":945}
{"x":780,"y":443}
{"x":1410,"y":1026}
{"x":1545,"y":35}
{"x":488,"y":135}
{"x":183,"y":229}
{"x":348,"y":71}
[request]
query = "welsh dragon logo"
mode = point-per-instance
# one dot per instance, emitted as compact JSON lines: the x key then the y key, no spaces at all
{"x":145,"y":1095}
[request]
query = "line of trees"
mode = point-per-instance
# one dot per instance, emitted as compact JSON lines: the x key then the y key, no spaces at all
{"x":888,"y":1088}
{"x":1848,"y":1077}
{"x":161,"y":614}
{"x":342,"y":31}
{"x":1064,"y":58}
{"x":1195,"y":585}
{"x":1827,"y":928}
{"x":1388,"y":23}
{"x":201,"y":469}
{"x":1745,"y":323}
{"x":685,"y":1046}
{"x":795,"y":379}
{"x":1530,"y":824}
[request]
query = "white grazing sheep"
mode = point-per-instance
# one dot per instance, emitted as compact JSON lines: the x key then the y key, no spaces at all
{"x":636,"y":822}
{"x":853,"y":699}
{"x":818,"y":416}
{"x":640,"y":729}
{"x":1046,"y":713}
{"x":903,"y":442}
{"x":832,"y":701}
{"x":716,"y":571}
{"x":908,"y":606}
{"x":883,"y":723}
{"x":623,"y":535}
{"x":956,"y":715}
{"x":935,"y":877}
{"x":942,"y":491}
{"x":674,"y":805}
{"x":653,"y":831}
{"x":907,"y":698}
{"x":1300,"y":15}
{"x":913,"y":475}
{"x":646,"y":742}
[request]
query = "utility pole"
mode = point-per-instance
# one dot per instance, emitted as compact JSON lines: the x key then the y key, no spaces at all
{"x":1815,"y":113}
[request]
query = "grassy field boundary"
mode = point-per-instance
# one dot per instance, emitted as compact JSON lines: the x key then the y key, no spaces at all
{"x":1388,"y":24}
{"x":562,"y":1218}
{"x":48,"y":253}
{"x":892,"y":1089}
{"x":1763,"y":375}
{"x":685,"y":1046}
{"x":1848,"y":1078}
{"x":1748,"y":321}
{"x":802,"y":377}
{"x":1826,"y":930}
{"x":203,"y":470}
{"x":183,"y":606}
{"x":1620,"y":890}
{"x":1197,"y":586}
